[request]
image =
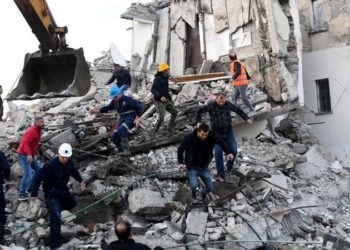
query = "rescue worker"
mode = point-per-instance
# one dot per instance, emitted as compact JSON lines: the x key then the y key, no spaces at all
{"x":125,"y":242}
{"x":55,"y":175}
{"x":122,"y":77}
{"x":27,"y":155}
{"x":1,"y":105}
{"x":162,"y":98}
{"x":4,"y":173}
{"x":198,"y":147}
{"x":130,"y":112}
{"x":239,"y":79}
{"x":221,"y":123}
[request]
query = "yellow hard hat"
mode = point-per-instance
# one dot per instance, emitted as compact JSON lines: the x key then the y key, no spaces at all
{"x":162,"y":67}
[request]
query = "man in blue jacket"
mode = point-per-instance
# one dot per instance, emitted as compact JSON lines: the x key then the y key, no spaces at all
{"x":4,"y":173}
{"x":130,"y":112}
{"x":55,"y":175}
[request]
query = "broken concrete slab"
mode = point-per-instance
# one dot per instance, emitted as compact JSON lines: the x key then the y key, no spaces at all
{"x":163,"y":39}
{"x":148,"y":203}
{"x":188,"y":14}
{"x":235,"y":14}
{"x":189,"y":92}
{"x":272,"y":82}
{"x":177,"y":51}
{"x":196,"y":222}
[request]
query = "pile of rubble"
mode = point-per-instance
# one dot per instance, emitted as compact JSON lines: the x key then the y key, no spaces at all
{"x":285,"y":187}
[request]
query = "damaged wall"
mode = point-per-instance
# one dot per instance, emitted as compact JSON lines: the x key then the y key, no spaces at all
{"x":326,"y":55}
{"x":263,"y":34}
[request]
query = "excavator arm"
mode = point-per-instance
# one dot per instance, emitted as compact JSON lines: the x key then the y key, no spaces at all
{"x":55,"y":70}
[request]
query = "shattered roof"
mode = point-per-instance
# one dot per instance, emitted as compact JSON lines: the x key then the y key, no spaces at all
{"x":141,"y":11}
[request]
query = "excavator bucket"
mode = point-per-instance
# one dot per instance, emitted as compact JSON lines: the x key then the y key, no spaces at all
{"x":56,"y":74}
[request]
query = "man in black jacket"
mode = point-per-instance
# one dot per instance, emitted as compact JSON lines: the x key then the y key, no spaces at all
{"x":198,"y":147}
{"x":55,"y":175}
{"x":162,"y":98}
{"x":122,"y":76}
{"x":221,"y":123}
{"x":125,"y":242}
{"x":4,"y":173}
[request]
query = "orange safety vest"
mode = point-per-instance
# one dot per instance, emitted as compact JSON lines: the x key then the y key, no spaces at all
{"x":242,"y":78}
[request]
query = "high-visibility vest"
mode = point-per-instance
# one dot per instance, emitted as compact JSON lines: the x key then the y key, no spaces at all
{"x":242,"y":78}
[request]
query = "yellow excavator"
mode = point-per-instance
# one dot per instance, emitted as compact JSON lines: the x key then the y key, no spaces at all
{"x":55,"y":70}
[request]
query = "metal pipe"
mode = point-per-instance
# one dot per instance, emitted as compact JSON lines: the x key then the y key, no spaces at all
{"x":202,"y":43}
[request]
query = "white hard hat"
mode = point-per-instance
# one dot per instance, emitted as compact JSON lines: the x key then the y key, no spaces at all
{"x":65,"y":150}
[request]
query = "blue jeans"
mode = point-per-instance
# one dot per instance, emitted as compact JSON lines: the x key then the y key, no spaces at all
{"x":56,"y":205}
{"x":194,"y":173}
{"x":122,"y":129}
{"x":242,"y":90}
{"x":230,"y":141}
{"x":27,"y":171}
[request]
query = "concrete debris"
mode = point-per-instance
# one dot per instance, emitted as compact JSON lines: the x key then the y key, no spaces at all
{"x":278,"y":179}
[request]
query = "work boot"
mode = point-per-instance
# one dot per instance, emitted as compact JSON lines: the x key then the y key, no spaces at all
{"x":172,"y":123}
{"x":204,"y":196}
{"x":124,"y":142}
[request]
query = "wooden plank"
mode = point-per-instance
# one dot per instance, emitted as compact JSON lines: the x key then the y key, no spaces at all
{"x":180,"y":79}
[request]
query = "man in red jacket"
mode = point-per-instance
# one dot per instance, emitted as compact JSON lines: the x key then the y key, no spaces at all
{"x":27,"y":158}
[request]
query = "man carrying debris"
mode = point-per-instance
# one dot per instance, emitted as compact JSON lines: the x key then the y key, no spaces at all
{"x":198,"y":147}
{"x":221,"y":123}
{"x":239,"y":79}
{"x":162,"y":98}
{"x":130,"y":112}
{"x":55,"y":175}
{"x":4,"y":173}
{"x":26,"y":155}
{"x":122,"y":76}
{"x":125,"y":242}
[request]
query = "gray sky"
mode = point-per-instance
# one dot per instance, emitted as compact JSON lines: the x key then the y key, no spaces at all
{"x":92,"y":24}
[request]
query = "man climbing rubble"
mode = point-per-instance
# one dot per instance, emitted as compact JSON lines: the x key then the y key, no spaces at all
{"x":239,"y":79}
{"x":122,"y":230}
{"x":198,"y":147}
{"x":27,"y":155}
{"x":122,"y":77}
{"x":130,"y":112}
{"x":55,"y":175}
{"x":221,"y":123}
{"x":162,"y":98}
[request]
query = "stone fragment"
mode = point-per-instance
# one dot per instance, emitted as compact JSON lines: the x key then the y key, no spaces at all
{"x":196,"y":222}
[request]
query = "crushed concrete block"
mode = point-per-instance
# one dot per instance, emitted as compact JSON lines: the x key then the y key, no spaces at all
{"x":196,"y":223}
{"x":147,"y":203}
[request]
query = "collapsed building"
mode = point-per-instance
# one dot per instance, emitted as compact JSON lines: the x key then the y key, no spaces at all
{"x":287,"y":191}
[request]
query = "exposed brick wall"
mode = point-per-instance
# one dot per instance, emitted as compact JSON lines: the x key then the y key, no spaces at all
{"x":339,"y":7}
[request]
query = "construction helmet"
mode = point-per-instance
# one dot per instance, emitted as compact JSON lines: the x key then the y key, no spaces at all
{"x":114,"y":91}
{"x":65,"y":150}
{"x":163,"y":67}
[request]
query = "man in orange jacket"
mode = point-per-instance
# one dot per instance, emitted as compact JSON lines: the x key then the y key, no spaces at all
{"x":26,"y":155}
{"x":239,"y":79}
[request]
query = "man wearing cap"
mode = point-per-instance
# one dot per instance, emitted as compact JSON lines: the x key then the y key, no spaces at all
{"x":162,"y":98}
{"x":55,"y":175}
{"x":122,"y":76}
{"x":130,"y":112}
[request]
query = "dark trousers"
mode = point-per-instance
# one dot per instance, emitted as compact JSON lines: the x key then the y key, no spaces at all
{"x":2,"y":205}
{"x":55,"y":205}
{"x":125,"y":124}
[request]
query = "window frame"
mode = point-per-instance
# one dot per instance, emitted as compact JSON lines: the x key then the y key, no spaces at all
{"x":318,"y":97}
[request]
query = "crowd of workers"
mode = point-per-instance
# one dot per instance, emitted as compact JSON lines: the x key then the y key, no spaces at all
{"x":194,"y":153}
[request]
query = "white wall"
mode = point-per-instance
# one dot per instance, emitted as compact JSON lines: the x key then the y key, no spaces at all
{"x":141,"y":34}
{"x":334,"y":64}
{"x":217,"y":43}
